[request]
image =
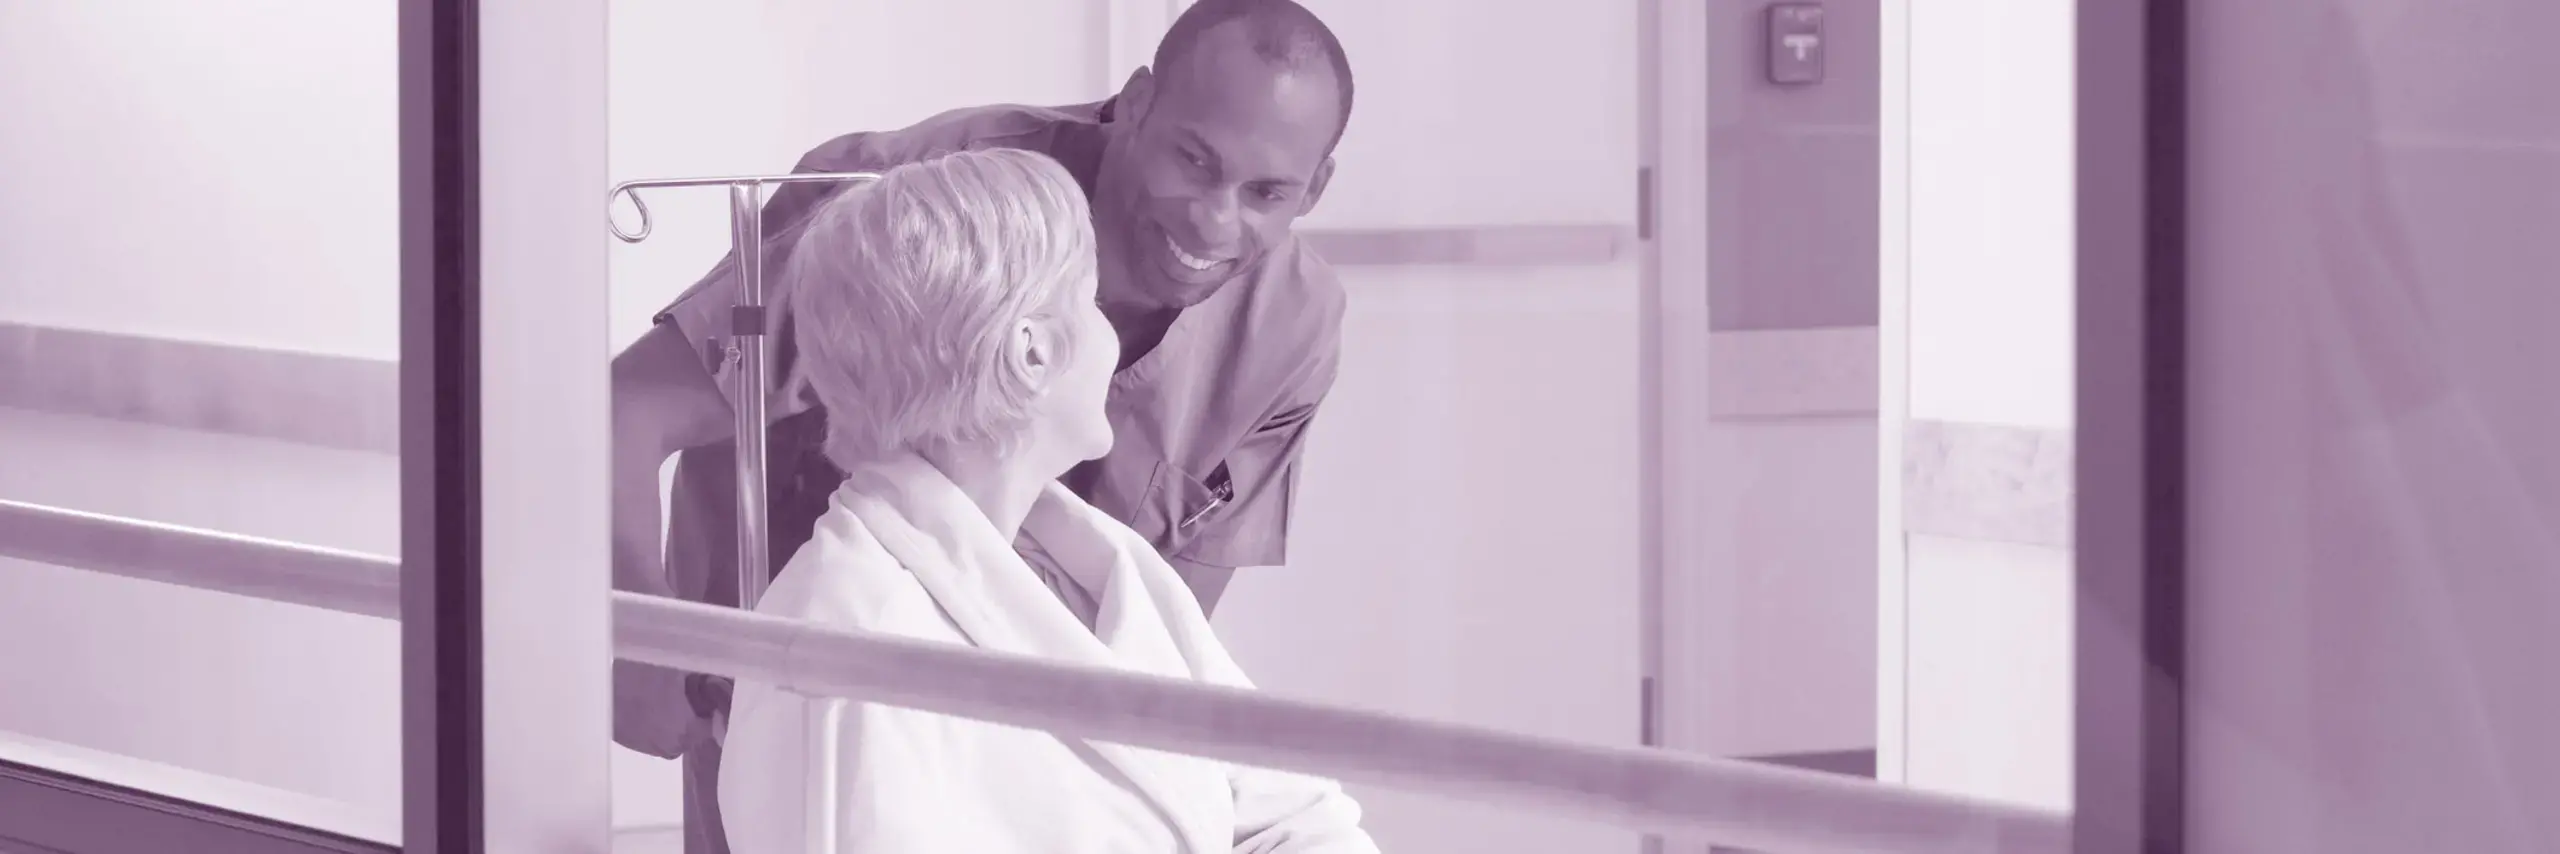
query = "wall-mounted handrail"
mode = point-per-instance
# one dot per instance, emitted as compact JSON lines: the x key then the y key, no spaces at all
{"x":352,"y":582}
{"x":1729,"y":802}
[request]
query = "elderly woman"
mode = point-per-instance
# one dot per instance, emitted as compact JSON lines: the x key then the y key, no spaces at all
{"x":948,"y":310}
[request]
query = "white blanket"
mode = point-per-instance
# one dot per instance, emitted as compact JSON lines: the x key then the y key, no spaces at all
{"x":902,"y":551}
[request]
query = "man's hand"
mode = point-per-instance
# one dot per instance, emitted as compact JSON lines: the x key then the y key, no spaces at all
{"x":651,"y":712}
{"x":710,"y":698}
{"x":701,"y":732}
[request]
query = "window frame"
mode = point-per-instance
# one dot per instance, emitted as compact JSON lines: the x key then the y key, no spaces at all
{"x":506,"y":636}
{"x":2130,"y":499}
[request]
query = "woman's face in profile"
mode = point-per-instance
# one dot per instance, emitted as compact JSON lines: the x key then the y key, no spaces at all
{"x":1083,"y":380}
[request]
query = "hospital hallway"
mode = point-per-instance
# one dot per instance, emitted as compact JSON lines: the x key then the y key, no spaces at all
{"x":1773,"y":426}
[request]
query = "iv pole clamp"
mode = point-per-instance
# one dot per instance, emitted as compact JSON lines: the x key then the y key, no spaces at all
{"x":746,"y":351}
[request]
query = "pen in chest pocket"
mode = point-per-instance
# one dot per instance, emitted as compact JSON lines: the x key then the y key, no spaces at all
{"x":1219,"y":495}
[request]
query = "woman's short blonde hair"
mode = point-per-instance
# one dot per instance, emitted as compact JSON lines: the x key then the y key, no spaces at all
{"x":904,"y":294}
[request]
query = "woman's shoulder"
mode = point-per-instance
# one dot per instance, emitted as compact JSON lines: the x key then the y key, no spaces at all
{"x":1070,"y":527}
{"x":842,"y":577}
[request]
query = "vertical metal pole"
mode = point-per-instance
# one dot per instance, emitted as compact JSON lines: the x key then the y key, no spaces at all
{"x":747,"y":351}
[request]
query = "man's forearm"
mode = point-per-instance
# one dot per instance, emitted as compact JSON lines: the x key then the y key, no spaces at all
{"x":652,"y":712}
{"x":638,"y":561}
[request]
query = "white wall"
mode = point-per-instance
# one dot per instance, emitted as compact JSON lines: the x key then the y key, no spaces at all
{"x":1466,"y":547}
{"x":1991,"y":212}
{"x":1986,"y":644}
{"x":702,"y":89}
{"x":221,"y":172}
{"x":1989,"y":663}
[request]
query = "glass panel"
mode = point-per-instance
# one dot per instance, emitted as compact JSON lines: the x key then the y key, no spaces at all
{"x":199,"y":279}
{"x":2375,"y":548}
{"x":1783,"y":476}
{"x":1474,"y":394}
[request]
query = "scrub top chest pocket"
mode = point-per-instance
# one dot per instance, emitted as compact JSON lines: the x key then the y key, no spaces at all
{"x":1180,"y":505}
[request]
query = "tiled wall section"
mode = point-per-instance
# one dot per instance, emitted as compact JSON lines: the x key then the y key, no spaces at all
{"x":1988,"y":482}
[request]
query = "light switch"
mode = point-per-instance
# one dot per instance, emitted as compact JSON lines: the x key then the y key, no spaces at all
{"x":1795,"y":43}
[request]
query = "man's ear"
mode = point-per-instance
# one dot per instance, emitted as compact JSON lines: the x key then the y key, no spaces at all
{"x":1136,"y":97}
{"x":1315,"y":187}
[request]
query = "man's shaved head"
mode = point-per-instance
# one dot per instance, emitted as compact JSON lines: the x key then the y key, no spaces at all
{"x":1216,"y":148}
{"x":1280,"y":32}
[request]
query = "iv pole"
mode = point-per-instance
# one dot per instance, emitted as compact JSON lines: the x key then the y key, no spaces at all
{"x":746,"y":353}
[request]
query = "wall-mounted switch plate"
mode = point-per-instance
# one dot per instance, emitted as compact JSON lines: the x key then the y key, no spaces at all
{"x":1795,"y":43}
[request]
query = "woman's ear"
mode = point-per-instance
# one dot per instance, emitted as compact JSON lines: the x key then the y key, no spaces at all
{"x":1032,"y":352}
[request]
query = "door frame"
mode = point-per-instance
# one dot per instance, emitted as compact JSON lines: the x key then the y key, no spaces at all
{"x":2129,"y":409}
{"x":440,"y":681}
{"x":506,"y":645}
{"x":2129,"y":507}
{"x":1673,"y":333}
{"x":1893,"y":388}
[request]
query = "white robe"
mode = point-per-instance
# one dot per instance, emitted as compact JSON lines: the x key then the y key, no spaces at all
{"x":902,"y":551}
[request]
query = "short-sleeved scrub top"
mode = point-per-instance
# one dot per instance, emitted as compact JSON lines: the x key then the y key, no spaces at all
{"x":1209,"y":425}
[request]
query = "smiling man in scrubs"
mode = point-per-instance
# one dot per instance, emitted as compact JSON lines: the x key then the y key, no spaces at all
{"x":1229,"y":331}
